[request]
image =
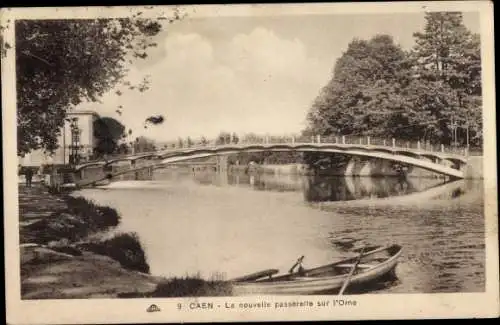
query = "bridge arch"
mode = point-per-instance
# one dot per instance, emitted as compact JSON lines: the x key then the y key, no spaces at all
{"x":114,"y":161}
{"x":87,"y":165}
{"x":407,"y":153}
{"x":354,"y":151}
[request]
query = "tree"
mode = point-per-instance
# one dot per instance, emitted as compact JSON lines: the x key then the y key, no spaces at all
{"x":227,"y":138}
{"x":60,"y":63}
{"x":144,"y":144}
{"x":180,"y":143}
{"x":252,"y":138}
{"x":447,"y":62}
{"x":123,"y":148}
{"x":107,"y":132}
{"x":223,"y":138}
{"x":378,"y":89}
{"x":189,"y":142}
{"x":363,"y":92}
{"x":203,"y":141}
{"x":236,"y":139}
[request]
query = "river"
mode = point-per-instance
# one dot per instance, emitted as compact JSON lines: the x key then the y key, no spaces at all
{"x":222,"y":226}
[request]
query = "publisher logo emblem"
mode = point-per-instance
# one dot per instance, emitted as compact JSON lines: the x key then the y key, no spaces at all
{"x":153,"y":308}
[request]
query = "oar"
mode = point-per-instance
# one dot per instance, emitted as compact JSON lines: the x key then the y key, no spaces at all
{"x":346,"y":283}
{"x":296,"y":263}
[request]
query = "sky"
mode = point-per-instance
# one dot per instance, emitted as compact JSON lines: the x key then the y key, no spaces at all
{"x":245,"y":74}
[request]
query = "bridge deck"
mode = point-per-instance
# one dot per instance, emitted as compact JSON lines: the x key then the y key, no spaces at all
{"x":398,"y":154}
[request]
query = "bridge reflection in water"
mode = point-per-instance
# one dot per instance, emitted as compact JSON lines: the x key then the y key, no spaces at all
{"x":336,"y":188}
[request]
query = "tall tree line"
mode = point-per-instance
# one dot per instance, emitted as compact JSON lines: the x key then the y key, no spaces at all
{"x":425,"y":94}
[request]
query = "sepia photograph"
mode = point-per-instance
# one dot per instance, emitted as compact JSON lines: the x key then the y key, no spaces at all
{"x":249,"y":162}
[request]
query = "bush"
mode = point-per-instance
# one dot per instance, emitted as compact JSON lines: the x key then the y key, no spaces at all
{"x":124,"y":248}
{"x":80,"y":219}
{"x":98,"y":217}
{"x":58,"y":226}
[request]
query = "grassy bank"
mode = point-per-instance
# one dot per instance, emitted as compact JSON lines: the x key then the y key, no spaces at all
{"x":184,"y":287}
{"x":69,"y":249}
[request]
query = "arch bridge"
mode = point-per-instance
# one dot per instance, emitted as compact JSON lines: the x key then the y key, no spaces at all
{"x":439,"y":159}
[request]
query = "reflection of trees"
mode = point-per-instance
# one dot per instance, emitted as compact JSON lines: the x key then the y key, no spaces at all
{"x":321,"y":163}
{"x":265,"y":182}
{"x":326,"y":189}
{"x":321,"y":188}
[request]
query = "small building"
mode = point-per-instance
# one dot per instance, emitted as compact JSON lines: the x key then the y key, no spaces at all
{"x":82,"y":135}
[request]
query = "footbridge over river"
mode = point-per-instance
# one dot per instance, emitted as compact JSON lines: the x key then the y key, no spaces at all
{"x":364,"y":150}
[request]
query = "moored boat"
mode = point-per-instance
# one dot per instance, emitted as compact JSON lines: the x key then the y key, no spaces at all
{"x":367,"y":267}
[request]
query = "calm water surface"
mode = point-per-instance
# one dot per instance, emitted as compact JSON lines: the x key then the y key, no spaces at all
{"x":229,"y":225}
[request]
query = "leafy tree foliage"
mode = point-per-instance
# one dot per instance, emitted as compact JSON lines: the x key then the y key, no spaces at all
{"x":380,"y":90}
{"x":107,"y":132}
{"x":252,"y":138}
{"x":60,"y":63}
{"x":235,"y":138}
{"x":224,"y":138}
{"x":363,"y":90}
{"x":144,"y":144}
{"x":447,"y":61}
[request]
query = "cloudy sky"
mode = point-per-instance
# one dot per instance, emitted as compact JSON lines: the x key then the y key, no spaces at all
{"x":245,"y":74}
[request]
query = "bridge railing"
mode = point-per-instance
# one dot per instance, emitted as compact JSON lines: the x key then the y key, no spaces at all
{"x":334,"y":139}
{"x":302,"y":139}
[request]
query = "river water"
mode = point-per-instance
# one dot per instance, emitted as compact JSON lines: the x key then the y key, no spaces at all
{"x":222,"y":226}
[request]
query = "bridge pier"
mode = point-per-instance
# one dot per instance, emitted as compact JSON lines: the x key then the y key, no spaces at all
{"x":222,"y":163}
{"x":381,"y":167}
{"x":376,"y":168}
{"x":354,"y":167}
{"x":366,"y":168}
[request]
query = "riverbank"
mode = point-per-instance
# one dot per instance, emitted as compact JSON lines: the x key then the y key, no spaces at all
{"x":69,"y":248}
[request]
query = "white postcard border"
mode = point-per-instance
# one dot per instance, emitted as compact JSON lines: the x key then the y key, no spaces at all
{"x":368,"y":306}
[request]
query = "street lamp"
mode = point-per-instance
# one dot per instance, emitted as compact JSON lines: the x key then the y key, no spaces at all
{"x":467,"y":131}
{"x":75,"y":142}
{"x":454,"y":126}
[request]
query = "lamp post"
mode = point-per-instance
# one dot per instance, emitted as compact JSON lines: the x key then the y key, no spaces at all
{"x":75,"y":142}
{"x":467,"y":131}
{"x":64,"y":143}
{"x":454,"y":126}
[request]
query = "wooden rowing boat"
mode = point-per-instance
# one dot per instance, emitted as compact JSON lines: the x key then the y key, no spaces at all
{"x":373,"y":265}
